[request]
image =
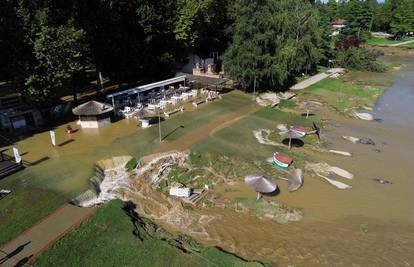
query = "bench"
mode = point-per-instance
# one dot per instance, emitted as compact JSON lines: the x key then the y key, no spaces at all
{"x":168,"y":114}
{"x":196,"y":103}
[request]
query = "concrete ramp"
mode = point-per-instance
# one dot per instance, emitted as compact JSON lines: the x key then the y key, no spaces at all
{"x":316,"y":78}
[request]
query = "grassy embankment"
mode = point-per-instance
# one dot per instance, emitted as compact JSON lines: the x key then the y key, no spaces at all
{"x":107,"y":239}
{"x":378,"y":41}
{"x":347,"y":93}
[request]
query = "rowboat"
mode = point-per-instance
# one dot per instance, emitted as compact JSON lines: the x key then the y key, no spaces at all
{"x":282,"y":161}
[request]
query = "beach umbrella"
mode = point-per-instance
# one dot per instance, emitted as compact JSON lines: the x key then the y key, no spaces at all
{"x":292,"y":135}
{"x":295,"y":181}
{"x":260,"y":184}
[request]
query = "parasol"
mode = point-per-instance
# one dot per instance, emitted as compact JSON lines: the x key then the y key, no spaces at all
{"x":292,"y":135}
{"x":260,"y":184}
{"x":295,"y":181}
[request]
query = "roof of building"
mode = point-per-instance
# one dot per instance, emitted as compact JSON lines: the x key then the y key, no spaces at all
{"x":206,"y":80}
{"x":92,"y":108}
{"x":146,"y":87}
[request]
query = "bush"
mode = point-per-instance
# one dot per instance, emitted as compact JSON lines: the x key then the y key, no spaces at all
{"x":361,"y":59}
{"x":131,"y":164}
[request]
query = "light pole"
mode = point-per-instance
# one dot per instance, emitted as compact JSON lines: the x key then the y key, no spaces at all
{"x":159,"y":124}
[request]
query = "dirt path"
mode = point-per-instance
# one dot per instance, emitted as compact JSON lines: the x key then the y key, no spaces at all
{"x":187,"y":140}
{"x":316,"y":78}
{"x":403,"y":43}
{"x":38,"y":238}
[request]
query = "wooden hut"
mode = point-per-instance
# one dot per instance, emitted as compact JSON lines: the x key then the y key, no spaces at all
{"x":93,"y":114}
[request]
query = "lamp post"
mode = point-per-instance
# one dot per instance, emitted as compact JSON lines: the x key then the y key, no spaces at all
{"x":159,"y":124}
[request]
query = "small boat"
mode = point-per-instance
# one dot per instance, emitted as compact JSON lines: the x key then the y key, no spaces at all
{"x":299,"y":130}
{"x":282,"y":161}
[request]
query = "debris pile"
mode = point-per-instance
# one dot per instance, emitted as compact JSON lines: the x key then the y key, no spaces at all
{"x":155,"y":168}
{"x":268,"y":100}
{"x":262,"y":136}
{"x":323,"y":169}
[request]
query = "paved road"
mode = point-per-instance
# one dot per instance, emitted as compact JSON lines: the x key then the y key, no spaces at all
{"x":316,"y":78}
{"x":38,"y":238}
{"x":403,"y":43}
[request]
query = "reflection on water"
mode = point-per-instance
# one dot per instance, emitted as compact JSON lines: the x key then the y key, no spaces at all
{"x":396,"y":106}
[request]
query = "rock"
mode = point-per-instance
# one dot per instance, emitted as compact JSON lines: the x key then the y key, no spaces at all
{"x":367,"y":141}
{"x":364,"y":116}
{"x":381,"y":181}
{"x":377,"y":150}
{"x":351,"y":138}
{"x":343,"y":153}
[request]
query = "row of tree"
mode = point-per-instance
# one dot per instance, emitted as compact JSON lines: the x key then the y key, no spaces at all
{"x":395,"y":16}
{"x":49,"y":46}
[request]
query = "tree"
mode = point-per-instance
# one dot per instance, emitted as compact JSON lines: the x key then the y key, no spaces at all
{"x":201,"y":24}
{"x":273,"y":41}
{"x":332,"y":10}
{"x":15,"y":53}
{"x":359,"y":16}
{"x":61,"y":58}
{"x":403,"y":17}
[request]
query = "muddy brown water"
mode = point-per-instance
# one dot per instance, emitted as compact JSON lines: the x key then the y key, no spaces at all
{"x":370,"y":224}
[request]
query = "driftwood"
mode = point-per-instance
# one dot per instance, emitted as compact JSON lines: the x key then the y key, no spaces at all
{"x":341,"y":172}
{"x":338,"y":152}
{"x":337,"y":184}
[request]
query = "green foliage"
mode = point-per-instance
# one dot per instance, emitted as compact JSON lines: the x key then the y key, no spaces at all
{"x":273,"y":41}
{"x":403,"y":17}
{"x":359,"y":16}
{"x":359,"y":59}
{"x":131,"y":164}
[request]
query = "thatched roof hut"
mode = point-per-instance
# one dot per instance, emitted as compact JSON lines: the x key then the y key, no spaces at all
{"x":93,"y":114}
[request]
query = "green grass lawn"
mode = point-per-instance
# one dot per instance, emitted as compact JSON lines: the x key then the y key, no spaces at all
{"x":26,"y":205}
{"x":107,"y":239}
{"x":384,"y":41}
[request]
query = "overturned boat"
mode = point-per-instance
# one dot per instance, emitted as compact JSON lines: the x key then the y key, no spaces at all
{"x":281,"y":160}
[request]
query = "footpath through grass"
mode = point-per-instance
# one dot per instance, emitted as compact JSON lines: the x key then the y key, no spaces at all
{"x":107,"y":239}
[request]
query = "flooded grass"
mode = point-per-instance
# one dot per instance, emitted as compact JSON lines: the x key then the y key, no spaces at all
{"x":347,"y":93}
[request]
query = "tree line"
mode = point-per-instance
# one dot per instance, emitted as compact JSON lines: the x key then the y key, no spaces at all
{"x":49,"y":47}
{"x":394,"y":16}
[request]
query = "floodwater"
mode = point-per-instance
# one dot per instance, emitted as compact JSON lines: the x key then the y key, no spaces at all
{"x":371,"y":224}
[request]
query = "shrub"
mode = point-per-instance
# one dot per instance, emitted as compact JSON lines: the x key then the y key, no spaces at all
{"x":131,"y":164}
{"x":361,"y":59}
